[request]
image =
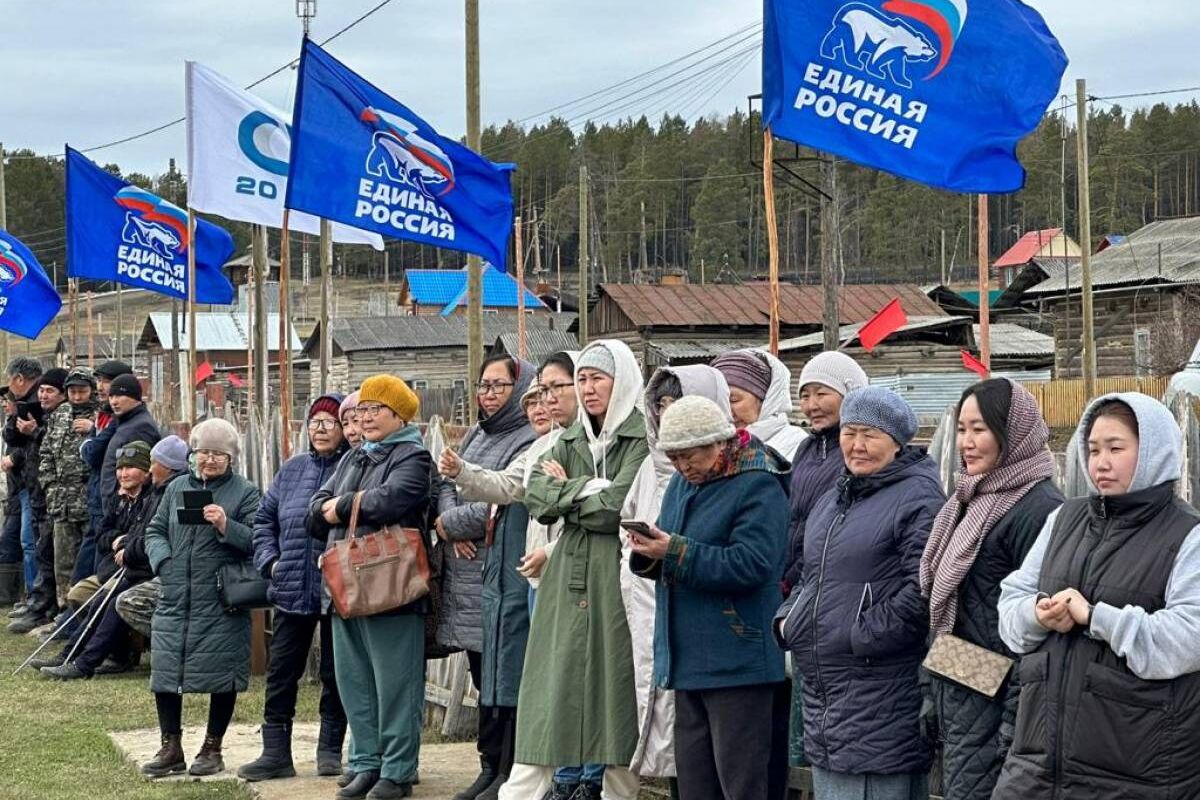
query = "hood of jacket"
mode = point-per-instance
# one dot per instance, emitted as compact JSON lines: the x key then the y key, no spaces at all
{"x":1160,"y":441}
{"x":694,"y":379}
{"x":626,"y":391}
{"x":510,"y":416}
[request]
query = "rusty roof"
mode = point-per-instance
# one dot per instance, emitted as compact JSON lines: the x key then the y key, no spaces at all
{"x":748,"y":304}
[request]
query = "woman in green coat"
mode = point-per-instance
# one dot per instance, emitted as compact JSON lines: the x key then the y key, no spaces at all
{"x":577,"y":700}
{"x":197,"y":647}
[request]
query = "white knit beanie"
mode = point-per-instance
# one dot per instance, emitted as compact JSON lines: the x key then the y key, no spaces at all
{"x":693,"y":421}
{"x":836,"y":370}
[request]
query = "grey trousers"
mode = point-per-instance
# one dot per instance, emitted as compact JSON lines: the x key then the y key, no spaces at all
{"x":136,"y":605}
{"x":723,"y":742}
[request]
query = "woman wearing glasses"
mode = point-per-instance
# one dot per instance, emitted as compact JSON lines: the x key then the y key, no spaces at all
{"x":502,"y":433}
{"x":287,"y":556}
{"x":197,"y":647}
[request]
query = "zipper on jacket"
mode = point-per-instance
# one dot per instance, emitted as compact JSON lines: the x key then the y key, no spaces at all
{"x":816,"y":609}
{"x":187,"y":612}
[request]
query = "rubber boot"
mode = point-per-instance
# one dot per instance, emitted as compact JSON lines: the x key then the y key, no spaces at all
{"x":329,"y":747}
{"x":493,"y":792}
{"x":208,"y":761}
{"x":487,"y":776}
{"x":10,"y":584}
{"x":362,"y":784}
{"x":276,"y":758}
{"x":169,"y":758}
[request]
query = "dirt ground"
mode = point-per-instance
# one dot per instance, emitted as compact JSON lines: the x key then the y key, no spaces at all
{"x":445,"y":768}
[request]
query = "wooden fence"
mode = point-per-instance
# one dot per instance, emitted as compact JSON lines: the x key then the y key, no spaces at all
{"x":1062,"y":401}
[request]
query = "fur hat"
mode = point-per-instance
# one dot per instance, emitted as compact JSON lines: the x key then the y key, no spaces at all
{"x":836,"y":370}
{"x":693,"y":421}
{"x":216,"y":434}
{"x":877,"y":407}
{"x":391,"y":392}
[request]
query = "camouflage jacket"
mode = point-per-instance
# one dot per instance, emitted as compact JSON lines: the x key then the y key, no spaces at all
{"x":62,"y":471}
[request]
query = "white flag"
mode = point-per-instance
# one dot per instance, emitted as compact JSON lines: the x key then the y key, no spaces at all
{"x":238,"y":151}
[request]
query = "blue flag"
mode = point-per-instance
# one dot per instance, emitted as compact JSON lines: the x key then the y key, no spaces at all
{"x":361,"y":158}
{"x":28,"y":301}
{"x":937,"y":91}
{"x":120,"y":232}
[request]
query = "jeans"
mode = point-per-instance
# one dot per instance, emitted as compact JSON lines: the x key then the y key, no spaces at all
{"x":85,"y":561}
{"x":28,"y":539}
{"x":588,"y":773}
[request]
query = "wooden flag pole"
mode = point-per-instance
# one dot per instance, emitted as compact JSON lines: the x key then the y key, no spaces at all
{"x":191,"y":302}
{"x":73,"y":305}
{"x":520,"y":266}
{"x":91,"y":333}
{"x":772,"y":235}
{"x":285,"y":388}
{"x":985,"y":284}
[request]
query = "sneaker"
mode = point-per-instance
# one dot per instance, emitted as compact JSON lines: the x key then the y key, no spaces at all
{"x":111,"y":667}
{"x":589,"y":791}
{"x":54,"y":660}
{"x":65,"y":672}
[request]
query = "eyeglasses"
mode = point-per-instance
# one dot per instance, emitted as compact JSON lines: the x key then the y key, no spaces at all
{"x":497,"y":388}
{"x":322,"y":424}
{"x":557,"y":389}
{"x":212,"y":455}
{"x":370,"y":409}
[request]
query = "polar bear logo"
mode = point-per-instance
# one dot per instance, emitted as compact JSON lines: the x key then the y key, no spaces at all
{"x":875,"y":43}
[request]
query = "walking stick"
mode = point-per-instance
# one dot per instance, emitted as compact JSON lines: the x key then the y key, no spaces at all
{"x":57,"y":630}
{"x":115,"y":580}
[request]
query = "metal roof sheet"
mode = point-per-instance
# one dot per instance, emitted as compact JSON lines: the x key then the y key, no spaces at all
{"x":539,"y":343}
{"x":674,"y":349}
{"x":1028,"y":247}
{"x":1010,"y":339}
{"x":749,"y":304}
{"x":215,"y":330}
{"x":448,"y":288}
{"x":421,"y":331}
{"x":847,"y":334}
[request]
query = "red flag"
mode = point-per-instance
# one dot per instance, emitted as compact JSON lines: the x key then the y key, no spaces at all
{"x":887,"y":321}
{"x":235,"y":381}
{"x":975,"y":365}
{"x":203,"y":372}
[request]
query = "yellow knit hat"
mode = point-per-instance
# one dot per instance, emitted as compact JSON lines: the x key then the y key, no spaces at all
{"x":391,"y":392}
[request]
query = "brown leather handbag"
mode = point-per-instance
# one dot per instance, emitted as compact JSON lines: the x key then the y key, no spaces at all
{"x":376,"y":572}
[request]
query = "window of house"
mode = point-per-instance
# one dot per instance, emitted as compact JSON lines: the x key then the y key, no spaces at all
{"x":459,"y":384}
{"x":420,"y":385}
{"x":1141,"y":351}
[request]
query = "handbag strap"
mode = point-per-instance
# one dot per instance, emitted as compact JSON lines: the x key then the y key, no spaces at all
{"x":354,"y":514}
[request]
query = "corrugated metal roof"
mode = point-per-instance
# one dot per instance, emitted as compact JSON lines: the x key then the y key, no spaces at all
{"x":749,"y":304}
{"x":448,"y":288}
{"x":1028,"y":247}
{"x":420,"y":331}
{"x":679,"y":349}
{"x":850,"y":332}
{"x":1010,"y":339}
{"x":103,"y":345}
{"x":930,"y":394}
{"x":215,"y":330}
{"x":1136,"y":260}
{"x":539,"y":343}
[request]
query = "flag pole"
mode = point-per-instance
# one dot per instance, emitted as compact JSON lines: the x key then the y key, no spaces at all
{"x":73,"y":306}
{"x":285,"y":388}
{"x":91,"y":333}
{"x":326,"y":245}
{"x":772,"y":236}
{"x":520,"y":267}
{"x":191,"y":302}
{"x":985,"y":333}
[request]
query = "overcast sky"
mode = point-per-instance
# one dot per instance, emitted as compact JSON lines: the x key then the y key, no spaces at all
{"x":93,"y":72}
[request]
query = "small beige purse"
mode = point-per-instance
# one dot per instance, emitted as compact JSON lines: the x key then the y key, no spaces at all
{"x":968,"y":664}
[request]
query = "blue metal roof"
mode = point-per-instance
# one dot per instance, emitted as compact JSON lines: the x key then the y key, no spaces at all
{"x":448,"y":288}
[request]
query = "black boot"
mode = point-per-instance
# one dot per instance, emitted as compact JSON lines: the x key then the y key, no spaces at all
{"x":363,"y":783}
{"x":493,"y":792}
{"x":10,"y":583}
{"x":345,"y":778}
{"x":169,"y":758}
{"x":388,"y":789}
{"x":329,"y":747}
{"x":53,"y":660}
{"x":276,"y":758}
{"x":208,"y":761}
{"x":487,"y":775}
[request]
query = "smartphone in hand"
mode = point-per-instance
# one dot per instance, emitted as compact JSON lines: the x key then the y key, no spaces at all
{"x":636,"y":526}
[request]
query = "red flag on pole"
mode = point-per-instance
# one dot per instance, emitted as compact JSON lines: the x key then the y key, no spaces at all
{"x":203,"y":372}
{"x":887,"y":321}
{"x":975,"y":365}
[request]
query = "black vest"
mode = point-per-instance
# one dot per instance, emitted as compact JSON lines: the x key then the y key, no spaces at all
{"x":1087,"y":727}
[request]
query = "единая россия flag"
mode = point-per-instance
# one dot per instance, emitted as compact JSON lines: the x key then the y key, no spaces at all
{"x":936,"y":91}
{"x":28,"y":300}
{"x":362,"y":158}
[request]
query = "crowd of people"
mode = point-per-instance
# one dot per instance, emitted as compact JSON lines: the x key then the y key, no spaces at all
{"x":650,"y":579}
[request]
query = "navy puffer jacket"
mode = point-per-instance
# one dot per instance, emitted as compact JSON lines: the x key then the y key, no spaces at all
{"x":281,"y":534}
{"x":856,"y":622}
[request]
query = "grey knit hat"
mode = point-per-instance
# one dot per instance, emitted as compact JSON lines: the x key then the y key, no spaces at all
{"x":597,"y":357}
{"x":880,"y":408}
{"x":836,"y":370}
{"x":172,"y":452}
{"x":693,"y":421}
{"x":216,"y":434}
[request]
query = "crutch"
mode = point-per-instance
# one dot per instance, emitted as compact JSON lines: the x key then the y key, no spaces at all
{"x":61,"y":626}
{"x":115,"y":580}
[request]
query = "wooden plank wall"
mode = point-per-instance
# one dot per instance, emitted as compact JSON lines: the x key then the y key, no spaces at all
{"x":1062,"y":401}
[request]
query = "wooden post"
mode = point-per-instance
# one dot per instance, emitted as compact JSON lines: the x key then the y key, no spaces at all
{"x":117,"y":348}
{"x":831,"y":318}
{"x":583,"y":255}
{"x":1085,"y":239}
{"x":326,"y":286}
{"x":520,"y":268}
{"x":260,"y":261}
{"x":91,"y":335}
{"x":558,"y":281}
{"x":285,"y":388}
{"x":985,"y":284}
{"x":474,"y":263}
{"x":772,"y":236}
{"x":191,"y":303}
{"x":73,"y":309}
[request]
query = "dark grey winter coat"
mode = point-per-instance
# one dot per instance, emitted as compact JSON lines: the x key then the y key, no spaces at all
{"x":491,"y":444}
{"x":196,"y":645}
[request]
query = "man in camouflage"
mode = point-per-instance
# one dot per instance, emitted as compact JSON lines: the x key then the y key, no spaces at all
{"x":64,"y":475}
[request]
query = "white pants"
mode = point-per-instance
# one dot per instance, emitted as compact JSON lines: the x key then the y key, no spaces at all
{"x":531,"y":782}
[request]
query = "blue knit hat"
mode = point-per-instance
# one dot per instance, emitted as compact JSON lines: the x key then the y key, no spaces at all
{"x":172,"y":453}
{"x":880,"y":408}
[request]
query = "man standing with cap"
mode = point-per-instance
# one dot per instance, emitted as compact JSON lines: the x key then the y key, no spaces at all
{"x":23,"y":377}
{"x":132,"y":423}
{"x":99,"y":430}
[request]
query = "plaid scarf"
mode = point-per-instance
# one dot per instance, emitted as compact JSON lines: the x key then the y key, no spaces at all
{"x":979,"y":502}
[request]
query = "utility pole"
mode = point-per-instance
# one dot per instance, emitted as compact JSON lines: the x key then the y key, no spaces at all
{"x":474,"y":262}
{"x":830,"y":318}
{"x":583,"y":255}
{"x":3,"y":227}
{"x":1085,"y":239}
{"x":643,"y":256}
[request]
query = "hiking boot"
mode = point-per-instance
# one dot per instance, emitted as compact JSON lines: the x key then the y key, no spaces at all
{"x":344,"y":779}
{"x":18,"y":610}
{"x":276,"y":758}
{"x":55,"y":660}
{"x":27,"y":622}
{"x":387,"y":789}
{"x":169,"y":758}
{"x":208,"y":761}
{"x":487,"y":775}
{"x":65,"y":672}
{"x":329,"y":747}
{"x":113,"y":667}
{"x":493,"y":791}
{"x":589,"y":791}
{"x":358,"y":788}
